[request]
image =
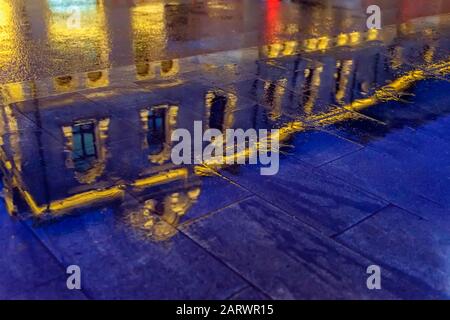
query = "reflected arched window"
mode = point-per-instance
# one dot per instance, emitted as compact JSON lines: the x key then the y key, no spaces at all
{"x":143,"y":69}
{"x":166,"y":66}
{"x":156,"y":129}
{"x":64,"y":80}
{"x":87,"y":141}
{"x":270,"y":95}
{"x":84,"y":152}
{"x":158,"y":123}
{"x":94,"y":76}
{"x":217,"y":115}
{"x":65,"y":83}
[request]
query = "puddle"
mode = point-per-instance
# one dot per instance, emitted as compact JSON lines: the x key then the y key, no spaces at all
{"x":96,"y":132}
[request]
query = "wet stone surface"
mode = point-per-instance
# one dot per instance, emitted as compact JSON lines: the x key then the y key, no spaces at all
{"x":86,"y":118}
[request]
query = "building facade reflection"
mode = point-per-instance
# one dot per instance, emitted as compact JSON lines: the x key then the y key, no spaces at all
{"x":82,"y":140}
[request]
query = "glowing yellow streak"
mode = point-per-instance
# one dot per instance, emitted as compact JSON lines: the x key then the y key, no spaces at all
{"x":5,"y":13}
{"x":392,"y":91}
{"x":13,"y":92}
{"x":289,"y":48}
{"x":441,"y":66}
{"x":388,"y":92}
{"x":14,"y":138}
{"x":309,"y":105}
{"x":372,"y":34}
{"x":311,"y":44}
{"x":165,"y":177}
{"x":99,"y":196}
{"x":76,"y":201}
{"x":87,"y":198}
{"x":274,"y":50}
{"x":355,"y":38}
{"x":342,"y":39}
{"x":345,"y":73}
{"x":35,"y":209}
{"x":324,"y":43}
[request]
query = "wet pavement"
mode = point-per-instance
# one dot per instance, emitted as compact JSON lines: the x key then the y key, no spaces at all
{"x":364,"y":174}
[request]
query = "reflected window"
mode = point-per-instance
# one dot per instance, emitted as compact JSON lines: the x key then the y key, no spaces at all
{"x":309,"y":73}
{"x":143,"y":69}
{"x":217,"y":115}
{"x":156,"y":129}
{"x":338,"y":76}
{"x":166,"y":66}
{"x":64,"y":81}
{"x":271,"y":93}
{"x":94,"y":76}
{"x":84,"y":145}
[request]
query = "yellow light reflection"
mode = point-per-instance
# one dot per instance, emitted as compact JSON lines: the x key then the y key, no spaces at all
{"x":149,"y":31}
{"x":290,"y":48}
{"x":89,"y":36}
{"x":342,"y":39}
{"x":324,"y":43}
{"x":315,"y":85}
{"x":5,"y":13}
{"x":164,"y":177}
{"x":344,"y":79}
{"x":311,"y":44}
{"x":12,"y":92}
{"x":372,"y":34}
{"x":355,"y":38}
{"x":97,"y":79}
{"x":8,"y":39}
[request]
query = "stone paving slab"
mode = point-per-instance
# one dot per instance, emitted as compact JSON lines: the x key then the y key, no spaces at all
{"x":118,"y":261}
{"x":53,"y":290}
{"x":317,"y":147}
{"x":395,"y":181}
{"x":326,"y":203}
{"x":288,"y":260}
{"x":25,"y":262}
{"x":395,"y":238}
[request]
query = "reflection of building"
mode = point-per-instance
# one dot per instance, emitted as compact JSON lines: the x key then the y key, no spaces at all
{"x":12,"y":40}
{"x":69,"y":151}
{"x":149,"y":31}
{"x":72,"y":151}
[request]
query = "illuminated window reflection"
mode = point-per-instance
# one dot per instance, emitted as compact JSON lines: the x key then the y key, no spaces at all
{"x":156,"y":129}
{"x":84,"y":146}
{"x":217,"y":116}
